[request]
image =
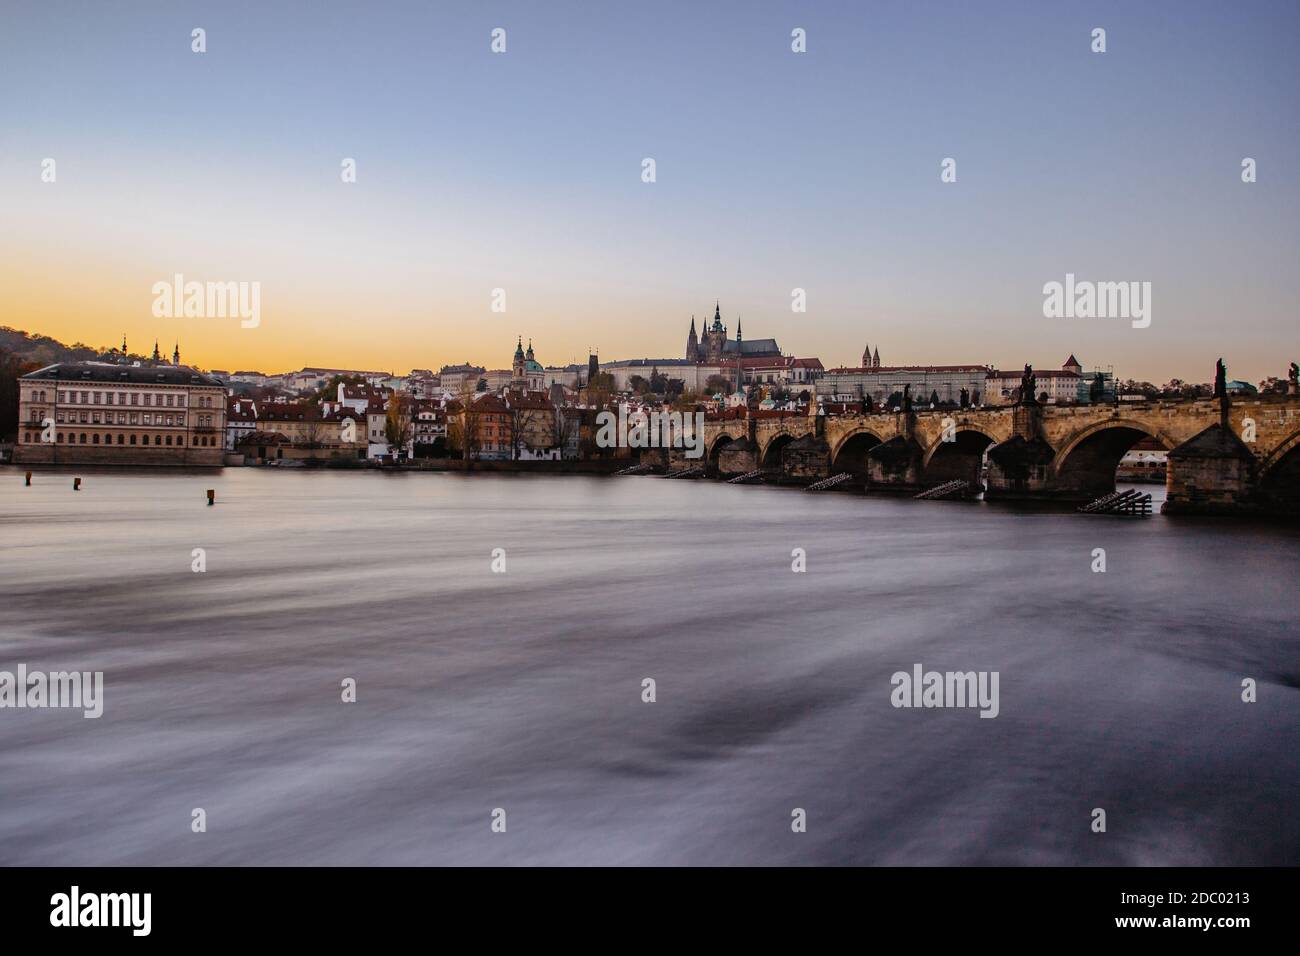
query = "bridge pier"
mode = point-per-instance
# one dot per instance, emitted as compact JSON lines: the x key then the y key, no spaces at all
{"x":1211,"y":473}
{"x":1019,"y":468}
{"x":806,"y":459}
{"x":895,"y":465}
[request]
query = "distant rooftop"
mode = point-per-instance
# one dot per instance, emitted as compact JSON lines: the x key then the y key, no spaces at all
{"x":112,"y":372}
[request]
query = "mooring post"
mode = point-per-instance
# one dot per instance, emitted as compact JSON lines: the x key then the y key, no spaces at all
{"x":29,"y":479}
{"x":212,"y":496}
{"x":76,"y":484}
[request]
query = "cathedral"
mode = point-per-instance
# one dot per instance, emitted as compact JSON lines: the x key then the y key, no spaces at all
{"x":714,"y":348}
{"x":525,"y":371}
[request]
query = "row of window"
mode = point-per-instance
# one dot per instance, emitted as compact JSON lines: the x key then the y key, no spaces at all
{"x":154,"y":399}
{"x":106,"y":418}
{"x":71,"y":438}
{"x":170,"y":399}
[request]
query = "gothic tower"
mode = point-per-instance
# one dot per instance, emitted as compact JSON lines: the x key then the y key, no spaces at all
{"x":692,"y":344}
{"x":866,"y":356}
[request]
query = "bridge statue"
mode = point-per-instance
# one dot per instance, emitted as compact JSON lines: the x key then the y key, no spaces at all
{"x":1293,"y":379}
{"x":1220,"y":379}
{"x":1028,"y":387}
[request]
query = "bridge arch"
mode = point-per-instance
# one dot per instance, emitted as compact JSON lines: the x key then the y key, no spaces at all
{"x":1086,"y":462}
{"x":961,"y":459}
{"x":771,"y":454}
{"x":719,"y":443}
{"x":1277,"y":456}
{"x":851,"y":452}
{"x":1279,"y":478}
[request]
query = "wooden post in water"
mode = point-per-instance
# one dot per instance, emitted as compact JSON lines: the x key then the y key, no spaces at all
{"x":29,"y":479}
{"x":212,"y":496}
{"x":76,"y":484}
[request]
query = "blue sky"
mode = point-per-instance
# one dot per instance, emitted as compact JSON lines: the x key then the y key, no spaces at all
{"x":775,"y":170}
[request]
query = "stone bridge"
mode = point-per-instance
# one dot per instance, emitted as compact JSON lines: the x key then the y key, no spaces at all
{"x":1225,"y":455}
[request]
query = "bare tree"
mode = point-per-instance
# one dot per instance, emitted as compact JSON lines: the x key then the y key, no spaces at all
{"x":463,"y":432}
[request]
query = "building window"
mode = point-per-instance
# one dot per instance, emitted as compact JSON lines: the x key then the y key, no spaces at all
{"x":119,"y":439}
{"x":132,"y":439}
{"x":157,"y":439}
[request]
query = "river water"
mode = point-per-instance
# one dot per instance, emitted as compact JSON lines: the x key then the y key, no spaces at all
{"x":523,"y":690}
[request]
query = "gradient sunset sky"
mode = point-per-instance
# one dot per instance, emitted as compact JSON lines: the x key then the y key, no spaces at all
{"x":775,"y":170}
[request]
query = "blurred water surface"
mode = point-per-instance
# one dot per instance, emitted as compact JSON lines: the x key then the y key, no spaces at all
{"x":523,"y":690}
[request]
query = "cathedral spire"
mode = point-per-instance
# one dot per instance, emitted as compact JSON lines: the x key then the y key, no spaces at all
{"x":176,"y":354}
{"x":866,"y":356}
{"x":156,"y":356}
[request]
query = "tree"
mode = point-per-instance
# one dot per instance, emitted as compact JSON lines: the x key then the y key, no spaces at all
{"x":313,"y":432}
{"x":399,"y":423}
{"x":638,"y":384}
{"x":1269,"y":386}
{"x":717,"y":383}
{"x":463,"y":430}
{"x":11,"y":369}
{"x":523,"y":421}
{"x":329,"y":392}
{"x":600,"y":390}
{"x":568,"y":424}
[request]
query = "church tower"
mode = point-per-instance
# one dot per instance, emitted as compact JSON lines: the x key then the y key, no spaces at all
{"x":517,"y":366}
{"x":692,"y":344}
{"x":157,"y":357}
{"x":866,"y":356}
{"x":176,"y":354}
{"x":875,"y":359}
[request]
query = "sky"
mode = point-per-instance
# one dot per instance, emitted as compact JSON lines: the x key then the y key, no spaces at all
{"x":775,"y":171}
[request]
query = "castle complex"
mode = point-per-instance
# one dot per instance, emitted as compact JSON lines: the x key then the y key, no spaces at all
{"x":714,"y":348}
